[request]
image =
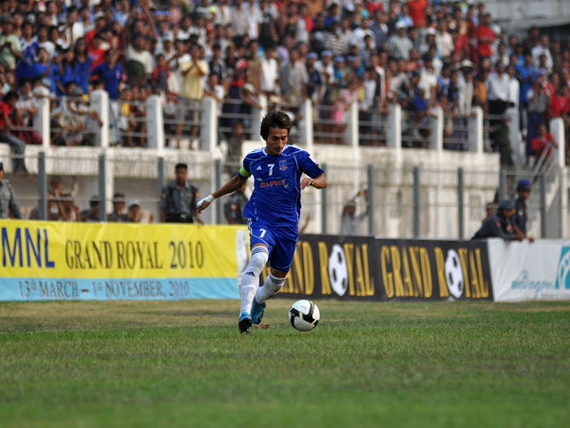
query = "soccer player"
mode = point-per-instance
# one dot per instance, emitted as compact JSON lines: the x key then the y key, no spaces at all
{"x":273,"y":211}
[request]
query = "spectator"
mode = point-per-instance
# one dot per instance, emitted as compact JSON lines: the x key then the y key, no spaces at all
{"x":68,"y":211}
{"x":498,"y":85}
{"x":233,"y":208}
{"x":82,"y":65}
{"x":485,"y":38}
{"x":138,"y":215}
{"x":8,"y":133}
{"x":520,"y":216}
{"x":543,"y":145}
{"x":399,"y":44}
{"x":91,"y":215}
{"x":542,"y":48}
{"x":499,"y":225}
{"x":178,"y":199}
{"x":111,"y":73}
{"x":8,"y":206}
{"x":139,"y":61}
{"x":26,"y":108}
{"x":538,"y":101}
{"x":10,"y":48}
{"x":350,"y":221}
{"x":490,"y":210}
{"x":118,"y":215}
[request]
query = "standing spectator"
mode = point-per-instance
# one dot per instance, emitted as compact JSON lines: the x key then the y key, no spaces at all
{"x":520,"y":217}
{"x":417,"y":12}
{"x":178,"y":199}
{"x":294,"y":79}
{"x":485,"y":38}
{"x":82,"y":63}
{"x":543,"y":145}
{"x":233,"y":208}
{"x":10,"y":50}
{"x":498,"y":85}
{"x":8,"y":205}
{"x":7,"y":133}
{"x":270,"y":72}
{"x":350,"y":221}
{"x":542,"y":49}
{"x":91,"y":215}
{"x":118,"y":215}
{"x":192,"y":91}
{"x":68,"y":211}
{"x":399,"y":44}
{"x":538,"y":101}
{"x":380,"y":29}
{"x":28,"y":43}
{"x":444,"y":41}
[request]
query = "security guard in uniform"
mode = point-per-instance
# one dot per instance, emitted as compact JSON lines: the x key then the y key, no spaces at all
{"x":178,"y":199}
{"x":520,"y":217}
{"x":499,"y":225}
{"x":8,"y":204}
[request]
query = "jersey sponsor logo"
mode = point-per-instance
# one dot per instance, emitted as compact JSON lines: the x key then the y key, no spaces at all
{"x":272,"y":183}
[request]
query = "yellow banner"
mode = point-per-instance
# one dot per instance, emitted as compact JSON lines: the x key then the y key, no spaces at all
{"x":116,"y":250}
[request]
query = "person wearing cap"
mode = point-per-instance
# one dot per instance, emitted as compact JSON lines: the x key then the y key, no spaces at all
{"x":8,"y":205}
{"x":499,"y":225}
{"x":178,"y":199}
{"x":138,"y":215}
{"x":520,"y":216}
{"x":400,"y":44}
{"x":118,"y":215}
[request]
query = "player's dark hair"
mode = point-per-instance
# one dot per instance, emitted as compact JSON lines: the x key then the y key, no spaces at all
{"x":180,"y":166}
{"x":274,"y":119}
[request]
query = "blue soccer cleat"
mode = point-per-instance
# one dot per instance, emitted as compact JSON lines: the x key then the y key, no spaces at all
{"x":257,"y":310}
{"x":244,"y":322}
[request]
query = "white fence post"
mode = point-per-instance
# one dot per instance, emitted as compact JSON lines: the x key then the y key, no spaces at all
{"x":42,"y":121}
{"x":209,"y":127}
{"x":99,"y":102}
{"x":351,"y":133}
{"x":155,"y":122}
{"x":436,"y":123}
{"x":394,"y":132}
{"x":475,"y":130}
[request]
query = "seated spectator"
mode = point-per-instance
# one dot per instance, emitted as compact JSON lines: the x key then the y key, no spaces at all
{"x":68,"y":211}
{"x":138,"y":215}
{"x":91,"y":215}
{"x":543,"y":144}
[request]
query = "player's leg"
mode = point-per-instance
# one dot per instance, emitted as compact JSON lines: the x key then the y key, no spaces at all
{"x":281,"y":261}
{"x":261,"y":240}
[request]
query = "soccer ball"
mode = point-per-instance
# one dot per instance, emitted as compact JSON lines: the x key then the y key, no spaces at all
{"x":304,"y":315}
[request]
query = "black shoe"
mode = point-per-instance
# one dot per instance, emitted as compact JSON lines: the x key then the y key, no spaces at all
{"x":244,"y":323}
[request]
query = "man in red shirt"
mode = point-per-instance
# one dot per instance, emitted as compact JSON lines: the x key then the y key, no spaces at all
{"x":417,"y":12}
{"x":543,"y":144}
{"x":7,"y":106}
{"x":485,"y":38}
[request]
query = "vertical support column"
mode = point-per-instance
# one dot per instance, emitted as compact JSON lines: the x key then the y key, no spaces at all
{"x":42,"y":121}
{"x":351,"y":133}
{"x":461,"y":203}
{"x":543,"y":207}
{"x":394,"y":133}
{"x":209,"y":127}
{"x":502,"y":184}
{"x":308,"y":126}
{"x":42,"y":186}
{"x":100,"y":103}
{"x":155,"y":123}
{"x":102,"y":187}
{"x":217,"y":184}
{"x":159,"y":184}
{"x":436,"y":136}
{"x":324,"y":207}
{"x":416,"y":202}
{"x":475,"y":130}
{"x":370,"y":202}
{"x":515,"y":137}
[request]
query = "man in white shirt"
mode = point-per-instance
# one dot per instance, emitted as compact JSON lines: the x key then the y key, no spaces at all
{"x":498,"y":85}
{"x":540,"y":49}
{"x":270,"y":72}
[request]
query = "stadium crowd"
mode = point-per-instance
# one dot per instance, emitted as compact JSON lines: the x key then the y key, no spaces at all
{"x":418,"y":53}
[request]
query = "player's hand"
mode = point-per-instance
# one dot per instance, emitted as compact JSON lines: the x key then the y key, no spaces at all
{"x":307,"y":181}
{"x":204,"y":203}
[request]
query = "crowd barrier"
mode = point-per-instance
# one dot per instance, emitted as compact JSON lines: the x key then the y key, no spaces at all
{"x":83,"y":261}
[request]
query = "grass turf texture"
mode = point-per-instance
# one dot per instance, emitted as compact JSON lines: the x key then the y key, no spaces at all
{"x":184,"y":364}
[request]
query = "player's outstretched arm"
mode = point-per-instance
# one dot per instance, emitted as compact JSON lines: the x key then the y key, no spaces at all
{"x":231,"y":186}
{"x":319,"y":182}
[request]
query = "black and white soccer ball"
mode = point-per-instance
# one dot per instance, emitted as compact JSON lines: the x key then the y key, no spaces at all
{"x":304,"y":315}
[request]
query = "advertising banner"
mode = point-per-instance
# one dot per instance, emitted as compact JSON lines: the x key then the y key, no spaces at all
{"x":530,"y":271}
{"x":59,"y":261}
{"x":381,"y":269}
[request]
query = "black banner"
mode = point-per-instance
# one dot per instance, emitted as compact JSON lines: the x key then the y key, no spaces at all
{"x":386,"y":269}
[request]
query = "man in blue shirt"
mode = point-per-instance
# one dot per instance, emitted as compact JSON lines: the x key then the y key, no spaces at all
{"x":273,"y":211}
{"x":111,"y":73}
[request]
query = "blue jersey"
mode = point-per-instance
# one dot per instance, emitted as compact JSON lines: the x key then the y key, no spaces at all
{"x":276,"y":197}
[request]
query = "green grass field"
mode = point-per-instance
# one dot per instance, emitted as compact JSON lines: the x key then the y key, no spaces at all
{"x":184,"y":364}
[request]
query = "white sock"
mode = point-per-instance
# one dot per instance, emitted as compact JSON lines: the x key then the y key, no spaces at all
{"x":250,"y":278}
{"x":271,"y":286}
